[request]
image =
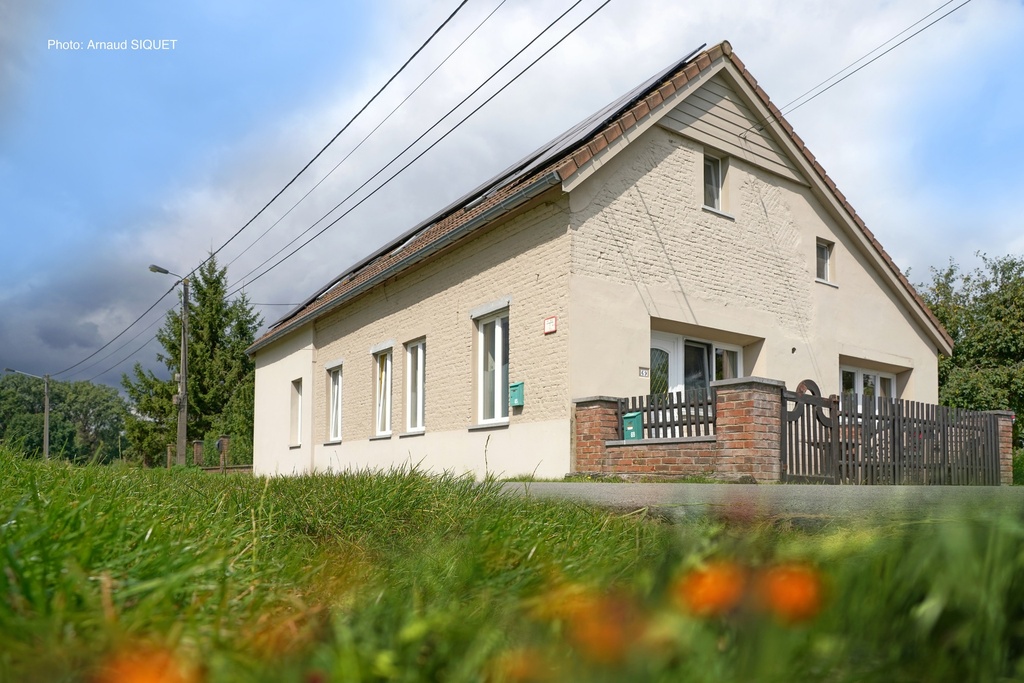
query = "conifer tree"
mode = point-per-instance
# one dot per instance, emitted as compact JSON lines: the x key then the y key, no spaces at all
{"x":220,"y":375}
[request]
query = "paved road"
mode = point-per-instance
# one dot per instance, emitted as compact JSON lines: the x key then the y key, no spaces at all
{"x":776,"y":500}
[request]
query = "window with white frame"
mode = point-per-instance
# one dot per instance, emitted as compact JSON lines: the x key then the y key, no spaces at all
{"x":382,"y":393}
{"x":295,"y":430}
{"x":334,"y":403}
{"x":823,"y":260}
{"x":492,"y":368}
{"x":866,"y":385}
{"x":415,"y":374}
{"x":712,"y":182}
{"x":681,"y":363}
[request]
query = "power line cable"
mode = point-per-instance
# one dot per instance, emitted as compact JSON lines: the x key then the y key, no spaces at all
{"x":420,"y":155}
{"x":784,"y":110}
{"x":119,"y":334}
{"x":336,"y":135}
{"x":123,"y":360}
{"x":115,"y":350}
{"x":368,"y":135}
{"x":290,"y":182}
{"x":876,"y":58}
{"x":865,"y":56}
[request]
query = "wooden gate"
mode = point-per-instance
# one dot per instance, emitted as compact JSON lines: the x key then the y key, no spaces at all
{"x":810,"y":435}
{"x":878,"y":440}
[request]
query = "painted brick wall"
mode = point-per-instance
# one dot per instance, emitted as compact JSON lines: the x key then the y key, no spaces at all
{"x":525,"y":258}
{"x":644,"y":224}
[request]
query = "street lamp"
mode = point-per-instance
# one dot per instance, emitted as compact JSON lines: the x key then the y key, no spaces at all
{"x":46,"y":408}
{"x":182,"y":397}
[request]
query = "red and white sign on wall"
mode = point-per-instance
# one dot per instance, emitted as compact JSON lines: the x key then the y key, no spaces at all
{"x":551,"y":325}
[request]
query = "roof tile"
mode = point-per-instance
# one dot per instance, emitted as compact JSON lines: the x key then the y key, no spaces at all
{"x":567,"y":169}
{"x":582,"y":156}
{"x":612,"y":132}
{"x":640,"y":110}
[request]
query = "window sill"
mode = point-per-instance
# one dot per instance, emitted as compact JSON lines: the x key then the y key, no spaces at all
{"x":380,"y":437}
{"x":335,"y":442}
{"x":826,"y":282}
{"x":414,"y":432}
{"x":717,"y":212}
{"x":502,"y":424}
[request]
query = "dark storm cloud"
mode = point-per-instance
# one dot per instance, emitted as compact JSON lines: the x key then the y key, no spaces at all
{"x":61,"y":334}
{"x":69,"y":316}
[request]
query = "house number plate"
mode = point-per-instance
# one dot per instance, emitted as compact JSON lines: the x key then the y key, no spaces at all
{"x":645,"y":372}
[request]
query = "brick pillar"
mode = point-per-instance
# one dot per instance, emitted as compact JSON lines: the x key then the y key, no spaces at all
{"x":1005,"y":420}
{"x":223,"y":442}
{"x":595,"y":422}
{"x":748,"y":423}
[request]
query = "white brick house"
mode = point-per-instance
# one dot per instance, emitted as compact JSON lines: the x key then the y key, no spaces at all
{"x":682,"y":234}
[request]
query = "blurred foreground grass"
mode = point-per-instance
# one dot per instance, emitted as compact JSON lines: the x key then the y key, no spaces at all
{"x":121,"y":574}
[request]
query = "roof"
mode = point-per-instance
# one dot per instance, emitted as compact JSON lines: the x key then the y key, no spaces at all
{"x":553,"y":164}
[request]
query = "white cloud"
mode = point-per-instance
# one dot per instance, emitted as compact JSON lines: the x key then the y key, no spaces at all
{"x":866,"y":132}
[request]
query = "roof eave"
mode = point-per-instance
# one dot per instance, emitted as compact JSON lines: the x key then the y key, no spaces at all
{"x":531,"y":190}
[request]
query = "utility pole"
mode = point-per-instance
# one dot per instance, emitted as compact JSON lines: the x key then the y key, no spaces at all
{"x":183,"y":380}
{"x":46,"y":417}
{"x":182,"y":398}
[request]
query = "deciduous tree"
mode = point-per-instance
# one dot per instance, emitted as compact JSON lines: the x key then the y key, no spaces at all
{"x":983,"y":310}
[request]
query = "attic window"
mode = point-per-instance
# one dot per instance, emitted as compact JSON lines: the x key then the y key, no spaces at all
{"x":712,"y":182}
{"x":823,"y":260}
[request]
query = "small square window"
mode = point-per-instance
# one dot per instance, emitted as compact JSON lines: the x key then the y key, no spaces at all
{"x":823,"y":259}
{"x":712,"y":183}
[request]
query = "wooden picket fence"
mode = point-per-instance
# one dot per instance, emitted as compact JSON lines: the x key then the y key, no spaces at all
{"x":673,"y":415}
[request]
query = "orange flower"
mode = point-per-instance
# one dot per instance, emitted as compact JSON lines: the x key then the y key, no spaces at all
{"x":716,"y":589}
{"x":146,"y":665}
{"x":520,"y":666}
{"x":601,"y":627}
{"x":605,"y":629}
{"x":793,"y":592}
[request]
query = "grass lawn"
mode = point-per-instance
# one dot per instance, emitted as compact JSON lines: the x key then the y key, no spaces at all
{"x":120,"y":574}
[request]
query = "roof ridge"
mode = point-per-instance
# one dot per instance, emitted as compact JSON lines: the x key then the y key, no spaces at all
{"x":565,"y":160}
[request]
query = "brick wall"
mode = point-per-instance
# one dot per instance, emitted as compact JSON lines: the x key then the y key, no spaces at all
{"x":748,"y":427}
{"x":1005,"y":419}
{"x":746,"y":444}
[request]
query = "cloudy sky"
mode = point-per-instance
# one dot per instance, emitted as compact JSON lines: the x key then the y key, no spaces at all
{"x":114,"y":159}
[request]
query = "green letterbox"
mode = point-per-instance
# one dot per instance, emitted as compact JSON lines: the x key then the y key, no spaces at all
{"x":516,"y":396}
{"x":633,"y":426}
